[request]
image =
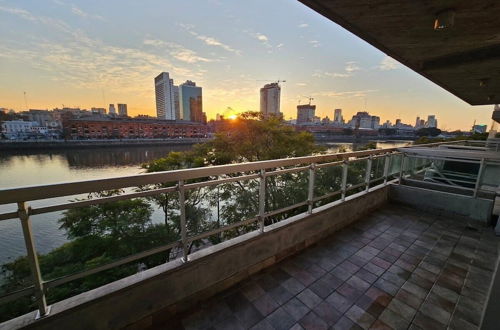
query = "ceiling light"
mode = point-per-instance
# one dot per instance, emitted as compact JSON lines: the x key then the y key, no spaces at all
{"x":444,"y":19}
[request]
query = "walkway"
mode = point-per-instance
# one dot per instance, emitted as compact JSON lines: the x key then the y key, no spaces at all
{"x":398,"y":269}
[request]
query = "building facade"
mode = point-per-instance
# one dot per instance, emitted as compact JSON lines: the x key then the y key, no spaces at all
{"x":122,"y":110}
{"x":77,"y":129}
{"x":165,"y":93}
{"x":337,"y":116}
{"x":364,"y":120}
{"x":191,"y":102}
{"x":305,"y":113}
{"x":20,"y":129}
{"x":112,"y":109}
{"x":431,"y":121}
{"x":270,"y":96}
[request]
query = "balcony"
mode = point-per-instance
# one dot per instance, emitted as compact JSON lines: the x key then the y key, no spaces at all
{"x":378,"y":238}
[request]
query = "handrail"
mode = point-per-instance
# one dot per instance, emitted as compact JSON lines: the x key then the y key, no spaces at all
{"x":177,"y":178}
{"x":30,"y":193}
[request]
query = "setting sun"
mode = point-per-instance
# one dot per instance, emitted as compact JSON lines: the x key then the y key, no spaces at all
{"x":233,"y":117}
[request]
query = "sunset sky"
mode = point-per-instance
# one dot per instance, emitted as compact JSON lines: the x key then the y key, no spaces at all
{"x":92,"y":53}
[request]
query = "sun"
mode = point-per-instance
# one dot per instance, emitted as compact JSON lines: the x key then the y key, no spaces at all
{"x":233,"y":117}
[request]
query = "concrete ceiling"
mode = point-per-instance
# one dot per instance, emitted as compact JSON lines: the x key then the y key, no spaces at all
{"x":456,"y":58}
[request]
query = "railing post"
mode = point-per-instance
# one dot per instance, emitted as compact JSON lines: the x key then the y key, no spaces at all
{"x":310,"y":191}
{"x":479,"y":177}
{"x":401,"y":170}
{"x":368,"y":172}
{"x":262,"y":198}
{"x":386,"y":168}
{"x":33,"y":259}
{"x":344,"y":179}
{"x":182,"y":208}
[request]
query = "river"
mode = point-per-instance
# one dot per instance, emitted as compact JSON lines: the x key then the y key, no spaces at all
{"x":19,"y":169}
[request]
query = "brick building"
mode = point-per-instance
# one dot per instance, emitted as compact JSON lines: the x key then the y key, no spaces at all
{"x":107,"y":128}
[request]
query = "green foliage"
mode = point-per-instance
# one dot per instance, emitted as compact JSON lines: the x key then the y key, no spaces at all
{"x":428,"y":131}
{"x":475,"y":136}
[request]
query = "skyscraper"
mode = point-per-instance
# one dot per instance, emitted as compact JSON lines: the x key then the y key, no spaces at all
{"x":337,"y":116}
{"x":431,"y":121}
{"x":191,"y":105}
{"x":112,"y":110}
{"x":165,"y":97}
{"x":417,"y":123}
{"x":122,"y":110}
{"x":270,"y":99}
{"x":305,"y":113}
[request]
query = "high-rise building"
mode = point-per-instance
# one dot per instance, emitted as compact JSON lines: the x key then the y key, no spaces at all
{"x":417,"y":123}
{"x":431,"y":121}
{"x":398,"y":122}
{"x":177,"y":105}
{"x":337,"y":117}
{"x":165,"y":97}
{"x":479,"y":129}
{"x":191,"y":105}
{"x":305,"y":113}
{"x":270,"y":99}
{"x":422,"y":123}
{"x":112,"y":110}
{"x":122,"y":110}
{"x":363,"y":119}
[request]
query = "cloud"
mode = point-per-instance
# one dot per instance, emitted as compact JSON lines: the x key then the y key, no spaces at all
{"x":280,"y":45}
{"x":79,"y":61}
{"x":79,"y":12}
{"x":388,"y":63}
{"x":19,"y":12}
{"x":210,"y":41}
{"x":314,"y":43}
{"x":177,"y":51}
{"x":301,"y":84}
{"x":261,"y":37}
{"x":323,"y":74}
{"x":303,"y":25}
{"x":351,"y":66}
{"x":188,"y":56}
{"x":345,"y":94}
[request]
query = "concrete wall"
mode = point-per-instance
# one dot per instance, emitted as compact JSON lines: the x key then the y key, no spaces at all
{"x":153,"y":296}
{"x":439,"y":202}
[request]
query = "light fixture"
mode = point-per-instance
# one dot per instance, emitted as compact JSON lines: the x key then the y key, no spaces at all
{"x":444,"y":19}
{"x":483,"y":82}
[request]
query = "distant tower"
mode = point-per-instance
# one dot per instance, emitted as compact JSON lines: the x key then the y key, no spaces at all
{"x":165,"y":97}
{"x":337,"y":116}
{"x":270,"y":96}
{"x":417,"y":122}
{"x":122,"y":110}
{"x":431,"y":121}
{"x":191,"y":105}
{"x":305,"y":113}
{"x":112,"y":110}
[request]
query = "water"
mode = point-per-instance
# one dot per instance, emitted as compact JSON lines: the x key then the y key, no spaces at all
{"x":28,"y":169}
{"x":35,"y":168}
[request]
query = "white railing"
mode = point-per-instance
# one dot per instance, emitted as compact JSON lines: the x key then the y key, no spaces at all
{"x":393,"y":168}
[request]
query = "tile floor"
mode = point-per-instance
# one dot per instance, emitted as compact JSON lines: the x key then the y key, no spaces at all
{"x":396,"y":269}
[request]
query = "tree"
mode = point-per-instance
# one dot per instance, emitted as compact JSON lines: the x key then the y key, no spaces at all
{"x":428,"y":131}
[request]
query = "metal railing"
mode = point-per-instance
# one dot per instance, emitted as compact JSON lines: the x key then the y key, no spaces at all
{"x":393,"y":168}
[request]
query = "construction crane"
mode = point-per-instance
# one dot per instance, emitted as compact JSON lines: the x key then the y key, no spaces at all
{"x":276,"y":81}
{"x":309,"y":98}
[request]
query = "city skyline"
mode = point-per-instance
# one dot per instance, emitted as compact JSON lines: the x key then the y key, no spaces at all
{"x":71,"y":53}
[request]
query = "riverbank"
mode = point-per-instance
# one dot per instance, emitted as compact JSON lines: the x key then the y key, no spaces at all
{"x":88,"y":144}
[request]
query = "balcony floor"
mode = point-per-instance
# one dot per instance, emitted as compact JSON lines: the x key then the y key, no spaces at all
{"x":397,"y":268}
